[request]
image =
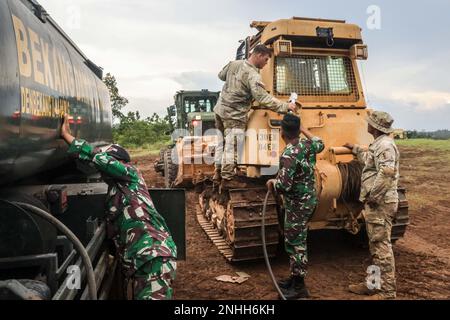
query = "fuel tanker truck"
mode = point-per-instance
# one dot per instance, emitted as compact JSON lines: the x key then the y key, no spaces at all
{"x":52,"y":232}
{"x":315,"y":61}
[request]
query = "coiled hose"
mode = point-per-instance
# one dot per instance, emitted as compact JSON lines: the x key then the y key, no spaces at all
{"x":71,"y":236}
{"x":266,"y":255}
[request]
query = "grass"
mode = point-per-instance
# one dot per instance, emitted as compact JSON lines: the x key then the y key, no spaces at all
{"x":147,"y":150}
{"x":442,"y":145}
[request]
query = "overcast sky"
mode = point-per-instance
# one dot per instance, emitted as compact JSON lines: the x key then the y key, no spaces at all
{"x":155,"y":48}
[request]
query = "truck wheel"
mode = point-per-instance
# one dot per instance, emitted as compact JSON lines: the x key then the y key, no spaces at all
{"x":170,"y":168}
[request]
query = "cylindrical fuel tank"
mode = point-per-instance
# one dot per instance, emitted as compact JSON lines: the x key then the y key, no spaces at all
{"x":21,"y":232}
{"x":43,"y":75}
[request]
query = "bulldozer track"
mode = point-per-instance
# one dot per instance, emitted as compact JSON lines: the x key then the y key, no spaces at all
{"x":240,"y":238}
{"x":402,"y":218}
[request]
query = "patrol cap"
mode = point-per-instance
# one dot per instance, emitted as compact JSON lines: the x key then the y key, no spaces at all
{"x":117,"y":152}
{"x":381,"y":121}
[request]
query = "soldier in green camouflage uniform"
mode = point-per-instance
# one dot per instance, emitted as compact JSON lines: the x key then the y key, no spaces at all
{"x":296,"y":182}
{"x":379,"y":194}
{"x":145,"y":246}
{"x":243,"y":84}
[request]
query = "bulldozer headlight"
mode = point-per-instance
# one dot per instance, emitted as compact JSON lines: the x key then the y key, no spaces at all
{"x":359,"y":52}
{"x":282,"y":48}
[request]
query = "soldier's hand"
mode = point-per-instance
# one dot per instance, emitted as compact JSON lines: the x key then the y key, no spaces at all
{"x":349,"y":145}
{"x":271,"y":185}
{"x":292,"y":107}
{"x":65,"y":130}
{"x":65,"y":127}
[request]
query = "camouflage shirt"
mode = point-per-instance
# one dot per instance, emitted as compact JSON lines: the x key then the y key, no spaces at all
{"x":381,"y":172}
{"x":128,"y":203}
{"x":297,"y":165}
{"x":243,"y":84}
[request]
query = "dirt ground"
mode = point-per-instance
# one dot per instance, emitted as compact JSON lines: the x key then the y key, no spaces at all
{"x":422,"y":256}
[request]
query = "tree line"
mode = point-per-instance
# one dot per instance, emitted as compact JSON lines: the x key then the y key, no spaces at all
{"x":131,"y":130}
{"x":436,"y":135}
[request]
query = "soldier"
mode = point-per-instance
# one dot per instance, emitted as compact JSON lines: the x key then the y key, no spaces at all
{"x":242,"y":84}
{"x":296,"y":182}
{"x":143,"y":241}
{"x":379,"y":195}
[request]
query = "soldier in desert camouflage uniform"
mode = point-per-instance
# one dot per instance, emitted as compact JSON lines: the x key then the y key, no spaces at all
{"x":145,"y":246}
{"x":379,"y":194}
{"x":296,"y":182}
{"x":243,"y":84}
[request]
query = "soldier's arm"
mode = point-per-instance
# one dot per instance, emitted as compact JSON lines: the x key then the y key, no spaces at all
{"x":360,"y":153}
{"x":265,"y":99}
{"x":113,"y":168}
{"x":285,"y":178}
{"x":223,"y":73}
{"x":82,"y":150}
{"x":317,"y":144}
{"x":385,"y":158}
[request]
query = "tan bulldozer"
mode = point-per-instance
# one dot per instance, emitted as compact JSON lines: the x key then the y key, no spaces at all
{"x":318,"y":60}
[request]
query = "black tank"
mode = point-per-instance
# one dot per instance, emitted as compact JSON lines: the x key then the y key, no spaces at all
{"x":43,"y":74}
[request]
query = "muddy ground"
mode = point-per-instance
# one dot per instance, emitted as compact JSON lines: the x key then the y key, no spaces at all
{"x":422,"y":256}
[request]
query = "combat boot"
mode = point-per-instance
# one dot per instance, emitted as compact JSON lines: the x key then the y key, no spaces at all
{"x":285,"y":283}
{"x":232,"y":184}
{"x":361,"y":289}
{"x":297,"y":290}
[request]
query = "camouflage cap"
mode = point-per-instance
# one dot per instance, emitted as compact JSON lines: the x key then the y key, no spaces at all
{"x":116,"y":151}
{"x":381,"y":121}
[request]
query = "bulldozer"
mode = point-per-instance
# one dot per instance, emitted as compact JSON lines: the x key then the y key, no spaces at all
{"x":318,"y":60}
{"x":191,"y":116}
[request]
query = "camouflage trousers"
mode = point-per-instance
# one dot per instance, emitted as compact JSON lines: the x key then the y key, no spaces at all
{"x":153,"y":281}
{"x":379,"y":227}
{"x":148,"y":276}
{"x":298,"y":213}
{"x":233,"y":133}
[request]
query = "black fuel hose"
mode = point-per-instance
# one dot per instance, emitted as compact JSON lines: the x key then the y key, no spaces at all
{"x":266,"y":256}
{"x":71,"y":236}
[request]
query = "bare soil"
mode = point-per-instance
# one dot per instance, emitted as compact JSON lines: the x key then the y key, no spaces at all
{"x":336,"y":260}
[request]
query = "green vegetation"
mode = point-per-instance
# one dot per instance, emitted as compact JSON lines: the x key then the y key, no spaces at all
{"x":442,"y":145}
{"x":438,"y":134}
{"x":143,"y":136}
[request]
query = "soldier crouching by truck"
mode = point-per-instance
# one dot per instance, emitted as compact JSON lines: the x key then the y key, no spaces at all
{"x":296,"y":182}
{"x":140,"y":234}
{"x":379,"y":194}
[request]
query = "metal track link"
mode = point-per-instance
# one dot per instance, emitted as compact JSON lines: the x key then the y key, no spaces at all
{"x":243,"y":217}
{"x":402,"y":219}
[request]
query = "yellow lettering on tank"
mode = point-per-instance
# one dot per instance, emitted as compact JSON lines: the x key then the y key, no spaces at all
{"x":23,"y":52}
{"x":62,"y":69}
{"x":47,"y":69}
{"x":37,"y":56}
{"x":57,"y":72}
{"x":23,"y":95}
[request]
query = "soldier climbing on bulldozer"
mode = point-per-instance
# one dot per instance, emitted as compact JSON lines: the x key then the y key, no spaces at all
{"x":243,"y":84}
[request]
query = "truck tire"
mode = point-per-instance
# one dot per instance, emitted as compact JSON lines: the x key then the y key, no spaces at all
{"x":170,"y":168}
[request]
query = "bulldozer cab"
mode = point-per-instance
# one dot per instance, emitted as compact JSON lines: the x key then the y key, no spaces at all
{"x":318,"y":60}
{"x":194,"y":109}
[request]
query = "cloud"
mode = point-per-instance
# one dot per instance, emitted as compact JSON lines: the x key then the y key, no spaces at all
{"x":195,"y":80}
{"x":424,"y":101}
